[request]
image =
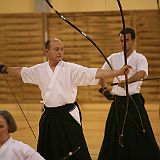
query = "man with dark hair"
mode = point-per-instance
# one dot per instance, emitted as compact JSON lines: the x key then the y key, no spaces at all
{"x":128,"y":31}
{"x":60,"y":130}
{"x":11,"y":149}
{"x":128,"y":133}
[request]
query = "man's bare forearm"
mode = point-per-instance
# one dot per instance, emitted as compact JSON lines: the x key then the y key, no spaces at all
{"x":138,"y":76}
{"x":14,"y":71}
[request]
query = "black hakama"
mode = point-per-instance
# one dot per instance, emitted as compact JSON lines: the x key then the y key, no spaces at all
{"x":138,"y":141}
{"x":59,"y":134}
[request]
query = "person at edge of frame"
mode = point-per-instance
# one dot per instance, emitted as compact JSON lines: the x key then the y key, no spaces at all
{"x":11,"y":149}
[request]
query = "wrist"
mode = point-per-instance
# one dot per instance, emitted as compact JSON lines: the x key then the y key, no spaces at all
{"x":4,"y":70}
{"x":117,"y":73}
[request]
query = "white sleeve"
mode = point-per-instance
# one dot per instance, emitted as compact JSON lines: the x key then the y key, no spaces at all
{"x":143,"y":65}
{"x":84,"y":76}
{"x":30,"y":75}
{"x":31,"y":154}
{"x":28,"y":153}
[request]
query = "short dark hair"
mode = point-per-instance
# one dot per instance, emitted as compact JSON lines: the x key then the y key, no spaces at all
{"x":12,"y":127}
{"x":47,"y":44}
{"x":128,"y":30}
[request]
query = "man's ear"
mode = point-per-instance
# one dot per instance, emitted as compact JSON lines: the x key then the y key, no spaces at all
{"x":45,"y":53}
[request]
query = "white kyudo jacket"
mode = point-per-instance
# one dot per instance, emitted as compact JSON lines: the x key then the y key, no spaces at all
{"x":16,"y":150}
{"x":59,"y":87}
{"x":137,"y":61}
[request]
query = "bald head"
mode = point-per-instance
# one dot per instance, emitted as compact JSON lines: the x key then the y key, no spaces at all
{"x":52,"y":40}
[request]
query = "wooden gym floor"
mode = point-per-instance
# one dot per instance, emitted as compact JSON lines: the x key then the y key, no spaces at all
{"x":94,"y":116}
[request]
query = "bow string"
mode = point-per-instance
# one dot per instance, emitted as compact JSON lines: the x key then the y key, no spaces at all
{"x":25,"y":117}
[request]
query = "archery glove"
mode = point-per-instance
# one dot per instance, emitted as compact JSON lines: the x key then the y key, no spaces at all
{"x":3,"y":69}
{"x":106,"y":93}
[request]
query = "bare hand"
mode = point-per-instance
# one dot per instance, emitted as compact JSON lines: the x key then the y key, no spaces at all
{"x":122,"y":84}
{"x":125,"y":70}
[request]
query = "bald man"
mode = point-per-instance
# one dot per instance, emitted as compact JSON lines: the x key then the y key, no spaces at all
{"x":60,"y":130}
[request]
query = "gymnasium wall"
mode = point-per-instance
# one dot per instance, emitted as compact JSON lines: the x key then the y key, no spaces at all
{"x":22,"y":37}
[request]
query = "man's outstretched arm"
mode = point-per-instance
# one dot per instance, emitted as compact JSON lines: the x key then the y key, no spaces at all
{"x":14,"y":71}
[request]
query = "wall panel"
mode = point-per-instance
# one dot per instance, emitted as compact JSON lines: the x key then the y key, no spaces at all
{"x":21,"y":44}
